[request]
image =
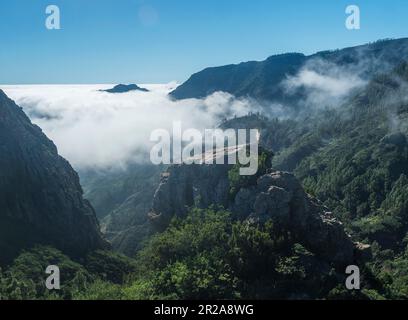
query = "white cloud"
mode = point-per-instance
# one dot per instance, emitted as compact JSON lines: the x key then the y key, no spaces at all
{"x":324,"y":83}
{"x":334,"y":87}
{"x":94,"y":129}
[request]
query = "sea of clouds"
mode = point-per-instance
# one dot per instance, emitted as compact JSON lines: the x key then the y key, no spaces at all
{"x":100,"y":130}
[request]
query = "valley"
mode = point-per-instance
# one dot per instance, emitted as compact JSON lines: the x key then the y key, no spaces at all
{"x":331,"y":188}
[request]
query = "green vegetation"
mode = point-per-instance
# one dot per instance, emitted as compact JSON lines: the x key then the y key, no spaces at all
{"x":25,"y":278}
{"x":238,"y":181}
{"x":205,"y":255}
{"x":355,"y":159}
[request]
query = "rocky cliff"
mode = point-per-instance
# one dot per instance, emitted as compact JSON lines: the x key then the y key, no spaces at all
{"x":275,"y":196}
{"x":40,"y":196}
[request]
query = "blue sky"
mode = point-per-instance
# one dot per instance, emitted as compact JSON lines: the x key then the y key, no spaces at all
{"x":157,"y":41}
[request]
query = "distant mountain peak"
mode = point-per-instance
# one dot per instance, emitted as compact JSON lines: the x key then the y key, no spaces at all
{"x":122,"y":88}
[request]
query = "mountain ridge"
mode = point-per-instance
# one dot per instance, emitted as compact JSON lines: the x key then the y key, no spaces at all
{"x":262,"y":80}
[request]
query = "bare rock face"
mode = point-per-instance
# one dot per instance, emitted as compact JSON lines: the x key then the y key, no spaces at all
{"x":280,"y":198}
{"x":40,"y":196}
{"x":276,"y":196}
{"x":184,"y":186}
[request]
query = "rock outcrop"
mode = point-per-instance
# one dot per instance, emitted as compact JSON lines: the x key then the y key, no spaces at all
{"x":276,"y":196}
{"x":184,"y":186}
{"x":41,"y":199}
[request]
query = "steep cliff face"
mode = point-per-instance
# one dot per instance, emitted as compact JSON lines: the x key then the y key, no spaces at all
{"x":40,"y":195}
{"x":276,"y":196}
{"x":184,"y":186}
